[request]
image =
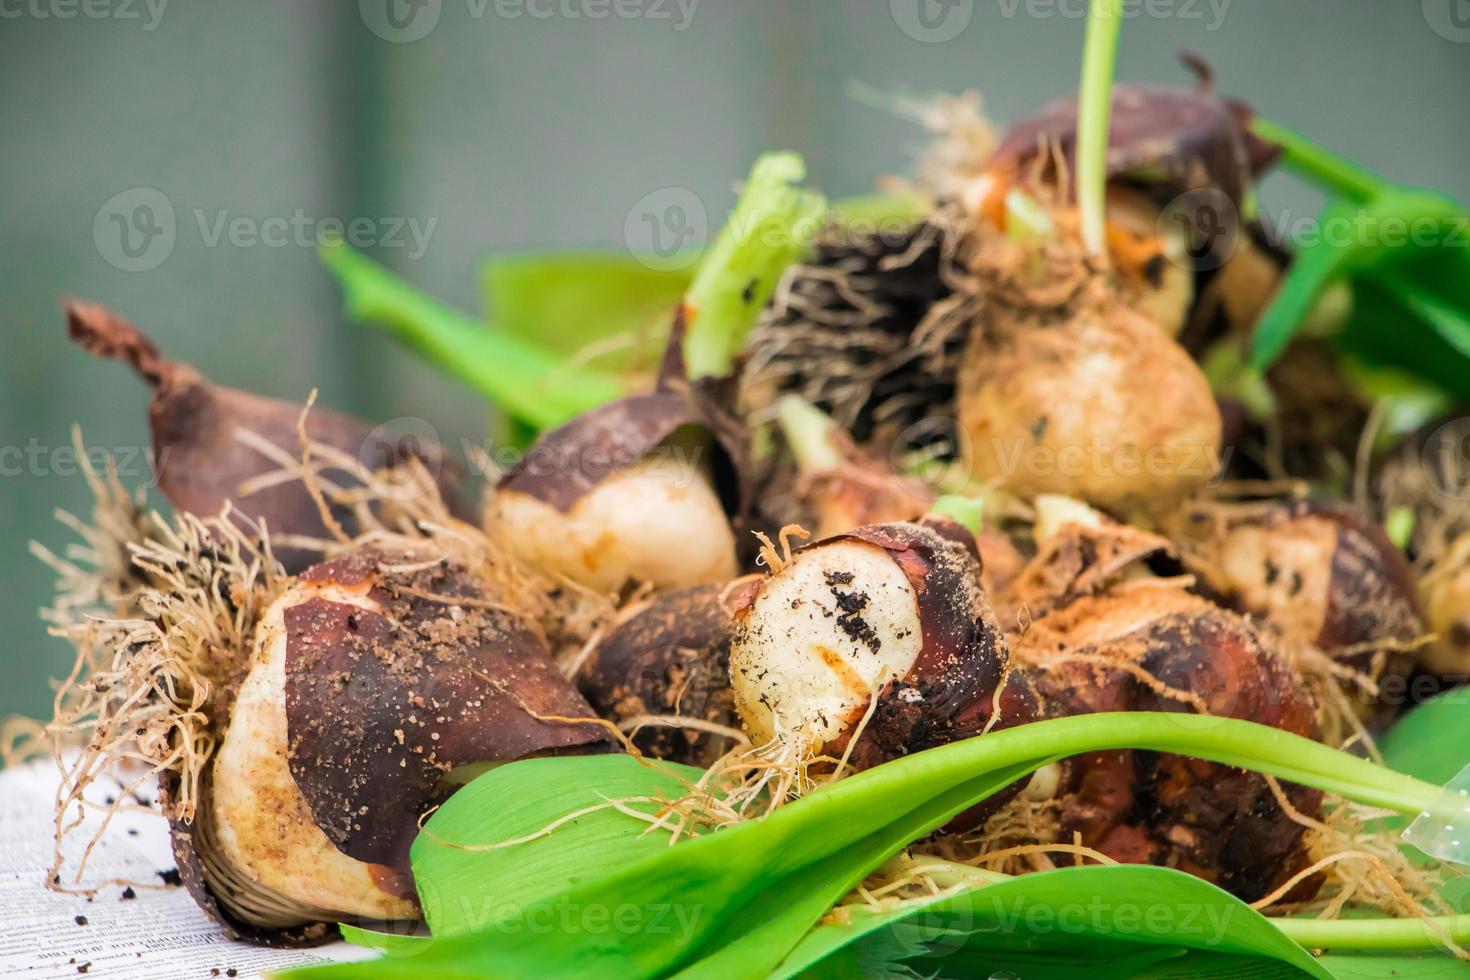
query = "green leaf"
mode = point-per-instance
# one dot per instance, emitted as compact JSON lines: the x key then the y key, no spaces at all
{"x":1411,"y":243}
{"x":742,"y":897}
{"x":394,"y":944}
{"x":576,"y":302}
{"x":1103,"y":911}
{"x":1314,"y":268}
{"x":762,"y":939}
{"x":468,"y":890}
{"x":1384,"y":239}
{"x":1449,"y":321}
{"x":1394,"y":966}
{"x":1383,"y":333}
{"x":1431,"y":742}
{"x":526,"y":380}
{"x":1336,"y":174}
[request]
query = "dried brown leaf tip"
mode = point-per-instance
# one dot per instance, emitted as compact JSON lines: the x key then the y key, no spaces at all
{"x":214,"y":445}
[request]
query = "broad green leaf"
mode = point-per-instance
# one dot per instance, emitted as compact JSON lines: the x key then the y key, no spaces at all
{"x":391,"y":943}
{"x":1106,"y":911}
{"x":762,"y":939}
{"x":1395,"y":966}
{"x":469,"y":890}
{"x":1431,"y":742}
{"x":734,"y":902}
{"x":1450,"y":321}
{"x":610,"y":308}
{"x":1384,"y":333}
{"x":1412,"y":244}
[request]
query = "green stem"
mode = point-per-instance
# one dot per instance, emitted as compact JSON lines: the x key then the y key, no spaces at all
{"x":1335,"y":173}
{"x":1374,"y":934}
{"x":810,"y":434}
{"x":1094,"y":109}
{"x":529,"y":383}
{"x":768,"y":229}
{"x":1229,"y":741}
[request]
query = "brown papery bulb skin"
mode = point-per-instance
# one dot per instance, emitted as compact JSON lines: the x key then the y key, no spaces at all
{"x":1101,"y":406}
{"x":669,"y":656}
{"x":1162,"y":649}
{"x":1327,"y":578}
{"x":1078,"y":559}
{"x":623,"y":494}
{"x":367,"y":685}
{"x":885,"y":628}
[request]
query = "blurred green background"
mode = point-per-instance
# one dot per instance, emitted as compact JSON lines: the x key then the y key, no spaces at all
{"x":516,"y":124}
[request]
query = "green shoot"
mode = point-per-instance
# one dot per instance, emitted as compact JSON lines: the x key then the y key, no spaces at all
{"x":810,"y":434}
{"x":529,"y":383}
{"x":1399,"y":526}
{"x":1026,"y":220}
{"x":768,"y":229}
{"x":1094,"y":111}
{"x":968,"y":512}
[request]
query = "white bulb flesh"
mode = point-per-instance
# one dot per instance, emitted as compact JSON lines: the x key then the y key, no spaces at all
{"x":660,"y":523}
{"x":263,"y":825}
{"x":824,"y":634}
